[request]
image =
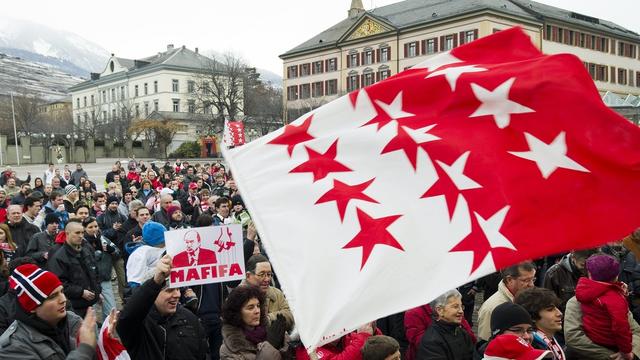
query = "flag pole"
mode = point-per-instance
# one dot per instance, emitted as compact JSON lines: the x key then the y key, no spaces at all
{"x":15,"y":133}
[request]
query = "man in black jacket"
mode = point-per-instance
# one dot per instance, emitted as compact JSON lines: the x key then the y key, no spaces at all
{"x":42,"y":242}
{"x":76,"y":267}
{"x":21,"y":230}
{"x":168,"y":330}
{"x":111,"y":220}
{"x":562,"y":277}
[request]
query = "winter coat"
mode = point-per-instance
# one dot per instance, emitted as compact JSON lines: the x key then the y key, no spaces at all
{"x":417,"y":321}
{"x":104,"y":260}
{"x":161,"y":217}
{"x":145,"y":198}
{"x":562,"y":278}
{"x":123,"y":209}
{"x":579,"y":346}
{"x":148,"y":335}
{"x":235,"y":346}
{"x":78,"y":271}
{"x":348,"y":348}
{"x":539,"y":342}
{"x":106,"y":221}
{"x":21,"y":234}
{"x":604,"y":313}
{"x":77,"y":174}
{"x":39,"y":245}
{"x":22,"y":341}
{"x":445,"y":341}
{"x":8,"y":303}
{"x":630,"y":275}
{"x":502,"y":296}
{"x":393,"y":326}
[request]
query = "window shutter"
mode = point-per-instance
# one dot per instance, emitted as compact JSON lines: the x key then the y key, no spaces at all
{"x":313,"y":68}
{"x":357,"y":82}
{"x":406,"y":50}
{"x":417,"y":47}
{"x":423,"y":47}
{"x":442,"y":45}
{"x":554,"y":31}
{"x":455,"y":40}
{"x":588,"y":41}
{"x":462,"y":38}
{"x":362,"y":58}
{"x":377,"y":59}
{"x":598,"y":43}
{"x":613,"y":74}
{"x":435,"y":44}
{"x":361,"y":81}
{"x":377,"y":76}
{"x":475,"y":34}
{"x":348,"y":61}
{"x":321,"y":89}
{"x":326,"y":65}
{"x":388,"y":73}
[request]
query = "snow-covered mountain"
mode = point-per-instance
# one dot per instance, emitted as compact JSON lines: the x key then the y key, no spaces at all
{"x":38,"y":43}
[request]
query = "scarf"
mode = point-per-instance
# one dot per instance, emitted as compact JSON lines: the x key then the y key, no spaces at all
{"x":59,"y":334}
{"x":257,"y":335}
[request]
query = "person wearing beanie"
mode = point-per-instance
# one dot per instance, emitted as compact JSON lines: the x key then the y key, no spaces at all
{"x":123,"y":206}
{"x":512,"y":347}
{"x":43,"y":327}
{"x":110,"y":221}
{"x":176,"y":218}
{"x":71,"y":198}
{"x":507,"y":318}
{"x":75,"y":265}
{"x":42,"y":242}
{"x":143,"y":259}
{"x":604,"y":305}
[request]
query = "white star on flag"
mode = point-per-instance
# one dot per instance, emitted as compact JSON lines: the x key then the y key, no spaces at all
{"x":497,"y":103}
{"x":394,"y":110}
{"x":455,"y":173}
{"x":549,"y":157}
{"x":421,"y":136}
{"x":435,"y":62}
{"x":453,"y":73}
{"x":491,"y":229}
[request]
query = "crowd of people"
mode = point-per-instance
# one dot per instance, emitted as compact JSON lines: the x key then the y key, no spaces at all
{"x":78,"y":264}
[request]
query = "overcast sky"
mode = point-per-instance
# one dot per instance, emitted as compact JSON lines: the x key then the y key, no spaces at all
{"x":257,"y":30}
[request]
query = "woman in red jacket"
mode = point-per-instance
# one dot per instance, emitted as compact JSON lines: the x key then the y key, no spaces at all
{"x":345,"y":348}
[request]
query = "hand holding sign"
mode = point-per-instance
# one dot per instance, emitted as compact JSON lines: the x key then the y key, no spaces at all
{"x":163,"y":268}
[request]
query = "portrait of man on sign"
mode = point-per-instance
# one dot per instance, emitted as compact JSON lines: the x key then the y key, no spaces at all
{"x":194,"y":254}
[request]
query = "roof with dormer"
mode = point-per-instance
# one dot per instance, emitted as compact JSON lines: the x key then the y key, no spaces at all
{"x":181,"y":59}
{"x":404,"y":15}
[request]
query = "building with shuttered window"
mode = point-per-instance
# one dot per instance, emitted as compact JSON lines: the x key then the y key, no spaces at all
{"x":371,"y":45}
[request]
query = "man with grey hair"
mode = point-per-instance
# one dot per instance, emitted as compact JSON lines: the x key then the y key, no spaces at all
{"x":161,"y":216}
{"x":21,"y":230}
{"x":445,"y":338}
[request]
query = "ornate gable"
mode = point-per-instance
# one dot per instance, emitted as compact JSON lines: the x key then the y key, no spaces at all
{"x":368,"y":27}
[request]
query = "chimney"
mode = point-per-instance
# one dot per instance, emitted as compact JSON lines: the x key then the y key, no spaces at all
{"x":169,"y":47}
{"x":356,"y":8}
{"x":197,"y":51}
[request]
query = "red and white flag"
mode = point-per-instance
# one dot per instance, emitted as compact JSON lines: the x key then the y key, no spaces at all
{"x":473,"y":160}
{"x":108,"y":347}
{"x":233,"y":133}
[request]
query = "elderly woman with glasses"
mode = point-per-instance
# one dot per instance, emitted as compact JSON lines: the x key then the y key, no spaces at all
{"x":445,"y":338}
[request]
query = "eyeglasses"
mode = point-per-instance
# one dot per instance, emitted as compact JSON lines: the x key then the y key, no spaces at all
{"x":527,"y":280}
{"x":521,"y":331}
{"x":264,"y":275}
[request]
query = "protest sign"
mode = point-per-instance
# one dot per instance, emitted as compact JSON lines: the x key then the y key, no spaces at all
{"x":205,"y":255}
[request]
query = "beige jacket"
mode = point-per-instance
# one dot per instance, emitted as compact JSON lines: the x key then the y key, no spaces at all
{"x":501,"y":296}
{"x":579,"y":342}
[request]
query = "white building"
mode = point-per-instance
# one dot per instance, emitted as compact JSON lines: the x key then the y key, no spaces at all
{"x":371,"y":45}
{"x":164,"y":84}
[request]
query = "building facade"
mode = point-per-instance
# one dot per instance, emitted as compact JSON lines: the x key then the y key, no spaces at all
{"x":371,"y":45}
{"x":173,"y":83}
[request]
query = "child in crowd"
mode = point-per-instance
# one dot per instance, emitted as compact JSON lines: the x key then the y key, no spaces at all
{"x":604,"y":305}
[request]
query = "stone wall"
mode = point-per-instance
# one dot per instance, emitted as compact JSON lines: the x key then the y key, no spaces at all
{"x":35,"y":151}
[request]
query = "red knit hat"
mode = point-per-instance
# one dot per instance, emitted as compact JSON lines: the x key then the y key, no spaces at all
{"x":171,"y":209}
{"x":33,"y":285}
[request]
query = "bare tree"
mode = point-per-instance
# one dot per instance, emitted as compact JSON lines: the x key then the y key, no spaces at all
{"x":218,"y":90}
{"x":160,"y":133}
{"x":263,"y":106}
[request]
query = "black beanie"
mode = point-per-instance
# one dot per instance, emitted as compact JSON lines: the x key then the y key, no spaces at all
{"x":112,"y":198}
{"x":507,"y":315}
